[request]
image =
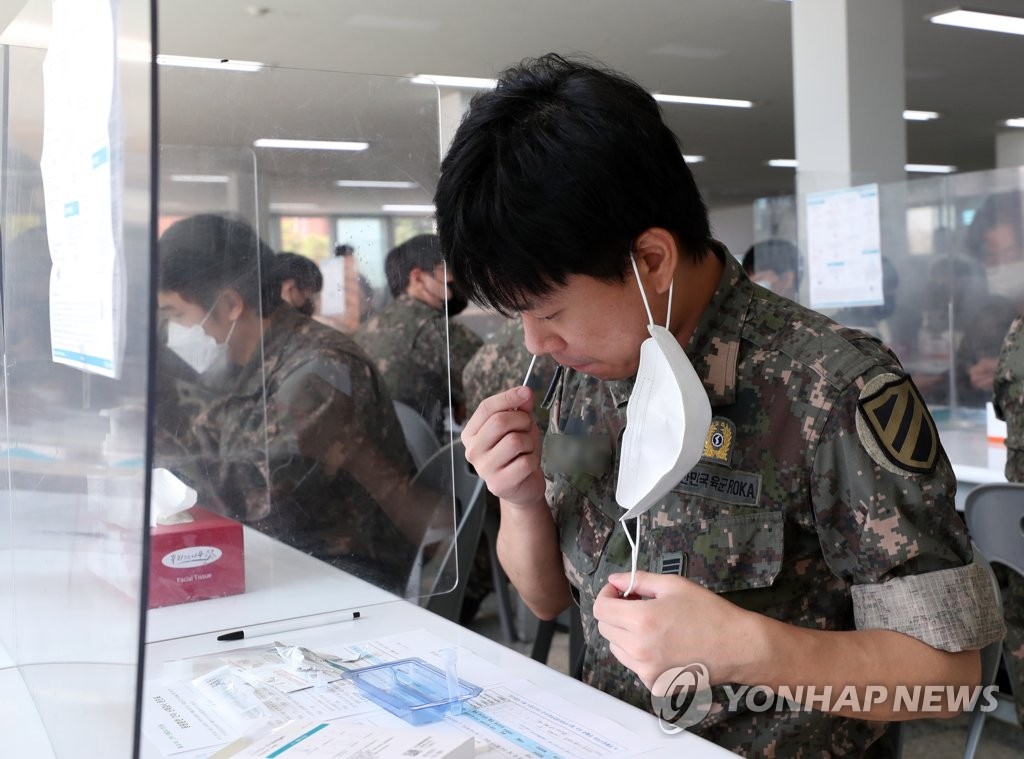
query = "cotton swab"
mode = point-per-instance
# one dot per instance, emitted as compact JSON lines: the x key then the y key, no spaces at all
{"x":529,"y":371}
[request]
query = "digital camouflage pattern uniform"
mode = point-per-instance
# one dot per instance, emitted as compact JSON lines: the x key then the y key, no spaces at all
{"x":315,"y":469}
{"x":823,"y":499}
{"x":501,"y":364}
{"x":406,"y":341}
{"x":1008,"y":398}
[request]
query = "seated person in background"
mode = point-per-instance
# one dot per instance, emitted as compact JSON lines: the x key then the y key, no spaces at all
{"x":994,"y":240}
{"x":775,"y":265}
{"x":893,"y":323}
{"x":406,"y":339}
{"x":986,"y":289}
{"x":842,"y":563}
{"x":1008,"y":399}
{"x":301,"y":281}
{"x":302,"y":443}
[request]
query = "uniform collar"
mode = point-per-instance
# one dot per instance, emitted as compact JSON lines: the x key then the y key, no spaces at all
{"x":285,"y":322}
{"x":419,"y":307}
{"x":714,"y":346}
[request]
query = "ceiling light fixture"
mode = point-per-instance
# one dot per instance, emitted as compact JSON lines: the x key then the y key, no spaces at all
{"x":266,"y":142}
{"x":920,"y":115}
{"x":986,"y":22}
{"x":200,"y":178}
{"x":380,"y":184}
{"x":293,"y":207}
{"x":693,"y":158}
{"x":690,"y":100}
{"x":783,"y":163}
{"x":1014,"y":122}
{"x":220,"y":64}
{"x":407,"y":208}
{"x":929,"y":168}
{"x":455,"y":81}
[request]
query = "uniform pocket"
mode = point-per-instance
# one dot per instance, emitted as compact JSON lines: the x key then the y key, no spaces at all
{"x":578,"y":466}
{"x":723,"y":553}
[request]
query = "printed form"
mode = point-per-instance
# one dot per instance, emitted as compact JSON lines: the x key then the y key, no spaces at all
{"x":249,"y":692}
{"x":81,"y":170}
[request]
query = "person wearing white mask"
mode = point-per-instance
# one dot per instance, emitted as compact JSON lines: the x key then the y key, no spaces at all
{"x":301,"y":440}
{"x":805,"y":535}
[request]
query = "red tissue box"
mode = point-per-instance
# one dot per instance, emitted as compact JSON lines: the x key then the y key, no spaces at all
{"x":201,"y":559}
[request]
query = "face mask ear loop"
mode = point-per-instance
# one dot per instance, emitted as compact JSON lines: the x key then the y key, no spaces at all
{"x":633,"y":558}
{"x":668,"y":315}
{"x":231,"y":331}
{"x":636,"y":271}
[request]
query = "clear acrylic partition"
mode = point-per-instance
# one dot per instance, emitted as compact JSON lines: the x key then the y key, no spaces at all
{"x":292,"y":432}
{"x":952,"y":281}
{"x":73,"y":443}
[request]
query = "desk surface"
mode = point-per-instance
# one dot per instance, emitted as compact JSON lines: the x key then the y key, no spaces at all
{"x":399,"y":616}
{"x":974,"y":459}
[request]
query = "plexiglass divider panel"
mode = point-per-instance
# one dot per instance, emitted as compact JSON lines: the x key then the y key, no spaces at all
{"x":76,"y":316}
{"x":952,"y":270}
{"x":274,"y":402}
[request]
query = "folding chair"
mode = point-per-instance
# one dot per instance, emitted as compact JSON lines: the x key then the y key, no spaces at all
{"x":995,"y":520}
{"x":455,"y":559}
{"x":420,"y":438}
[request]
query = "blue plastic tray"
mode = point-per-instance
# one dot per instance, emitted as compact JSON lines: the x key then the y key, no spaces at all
{"x":411,"y":689}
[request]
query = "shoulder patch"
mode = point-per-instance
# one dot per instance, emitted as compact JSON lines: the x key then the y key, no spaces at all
{"x":895,"y":427}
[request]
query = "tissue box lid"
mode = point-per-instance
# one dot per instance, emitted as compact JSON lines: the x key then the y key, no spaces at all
{"x":201,"y":520}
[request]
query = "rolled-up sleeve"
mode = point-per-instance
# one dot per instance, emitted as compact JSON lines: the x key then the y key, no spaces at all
{"x":886,"y":520}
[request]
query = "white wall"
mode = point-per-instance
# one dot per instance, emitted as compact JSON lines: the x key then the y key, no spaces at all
{"x":734,"y":226}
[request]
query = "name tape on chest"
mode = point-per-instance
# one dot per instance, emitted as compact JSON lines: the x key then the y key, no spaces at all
{"x":738,"y":488}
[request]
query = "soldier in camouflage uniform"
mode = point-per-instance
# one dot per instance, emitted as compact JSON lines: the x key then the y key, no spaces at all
{"x":1008,"y":399}
{"x":816,"y":542}
{"x":412,"y":342}
{"x":300,"y":440}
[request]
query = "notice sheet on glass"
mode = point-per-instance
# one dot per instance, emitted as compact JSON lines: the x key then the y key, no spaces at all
{"x":81,"y":169}
{"x":844,"y":248}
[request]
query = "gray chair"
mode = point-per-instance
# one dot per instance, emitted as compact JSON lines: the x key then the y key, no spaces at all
{"x":420,"y":438}
{"x":995,"y":520}
{"x":454,"y":557}
{"x":498,"y":577}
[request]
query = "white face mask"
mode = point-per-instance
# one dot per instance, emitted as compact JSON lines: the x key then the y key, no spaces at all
{"x":1007,"y":280}
{"x":667,"y":420}
{"x":196,"y":348}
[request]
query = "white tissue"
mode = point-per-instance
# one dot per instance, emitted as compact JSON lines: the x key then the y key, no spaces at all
{"x":169,"y":499}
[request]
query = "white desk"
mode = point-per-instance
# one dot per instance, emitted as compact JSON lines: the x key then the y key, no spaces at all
{"x":281,"y":583}
{"x":284,"y":583}
{"x":974,"y":459}
{"x":397,"y":616}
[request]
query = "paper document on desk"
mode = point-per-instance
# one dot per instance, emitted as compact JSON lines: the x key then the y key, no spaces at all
{"x":336,"y":740}
{"x":510,"y":718}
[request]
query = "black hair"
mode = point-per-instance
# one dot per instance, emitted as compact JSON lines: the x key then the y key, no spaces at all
{"x":343,"y":250}
{"x":419,"y":252}
{"x":556,"y":172}
{"x":1001,"y":208}
{"x":201,"y":255}
{"x":748,"y":261}
{"x":304,"y":272}
{"x":775,"y":255}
